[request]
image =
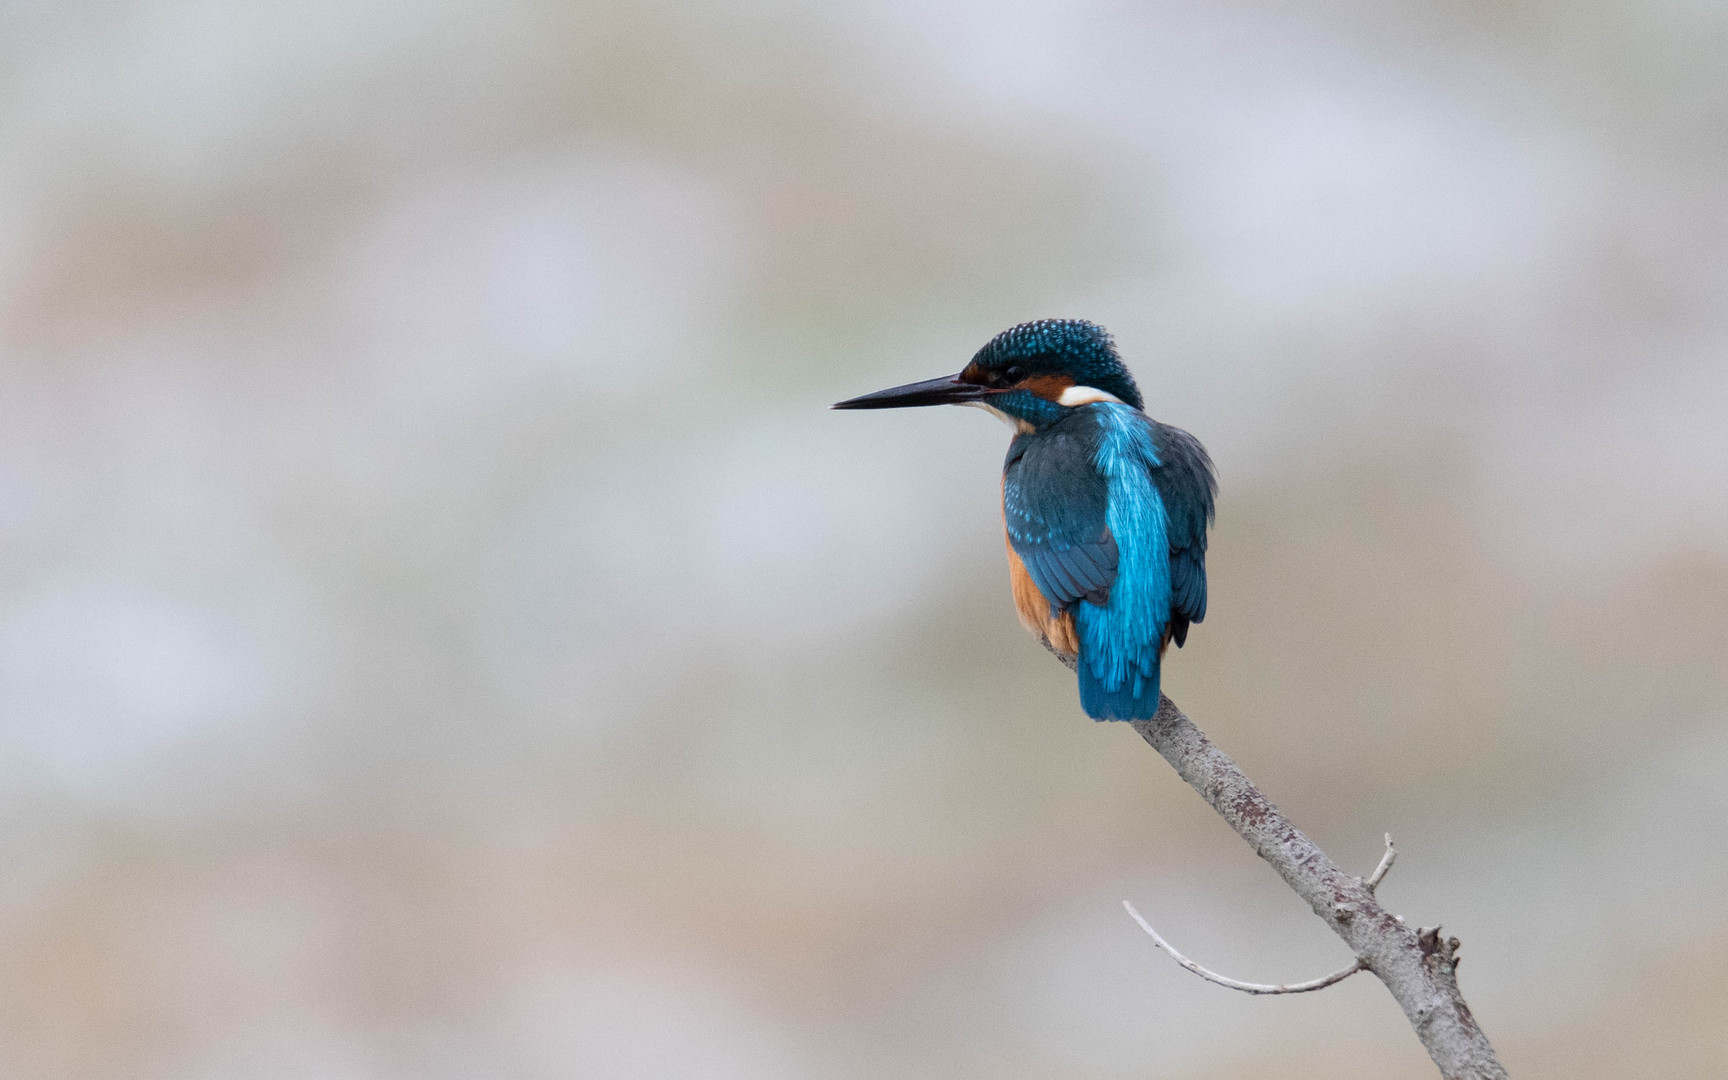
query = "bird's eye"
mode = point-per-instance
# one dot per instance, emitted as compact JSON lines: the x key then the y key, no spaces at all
{"x":1013,"y":374}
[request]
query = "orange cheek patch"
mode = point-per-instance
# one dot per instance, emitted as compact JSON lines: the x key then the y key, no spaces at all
{"x":1048,"y":387}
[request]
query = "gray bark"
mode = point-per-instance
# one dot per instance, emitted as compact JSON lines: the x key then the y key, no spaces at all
{"x":1419,"y":967}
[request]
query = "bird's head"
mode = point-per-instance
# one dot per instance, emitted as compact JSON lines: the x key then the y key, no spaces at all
{"x":1032,"y":374}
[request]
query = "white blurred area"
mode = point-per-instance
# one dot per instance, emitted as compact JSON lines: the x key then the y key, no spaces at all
{"x":443,"y":634}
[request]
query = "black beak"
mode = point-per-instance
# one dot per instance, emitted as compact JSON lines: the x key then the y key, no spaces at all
{"x":948,"y":390}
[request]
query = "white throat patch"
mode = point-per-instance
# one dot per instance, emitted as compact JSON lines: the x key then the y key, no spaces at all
{"x":1085,"y":395}
{"x":1020,"y":426}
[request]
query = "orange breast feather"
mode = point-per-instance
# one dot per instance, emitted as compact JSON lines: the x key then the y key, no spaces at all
{"x":1056,"y":631}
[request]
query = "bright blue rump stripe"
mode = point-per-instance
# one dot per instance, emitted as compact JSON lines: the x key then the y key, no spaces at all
{"x":1119,"y":643}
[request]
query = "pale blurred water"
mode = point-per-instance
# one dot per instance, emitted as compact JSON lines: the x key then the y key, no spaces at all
{"x":443,"y":633}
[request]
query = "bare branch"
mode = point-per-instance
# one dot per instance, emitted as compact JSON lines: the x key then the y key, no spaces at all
{"x":1419,"y":969}
{"x":1236,"y":984}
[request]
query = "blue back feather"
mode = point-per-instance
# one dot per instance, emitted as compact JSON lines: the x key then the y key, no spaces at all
{"x":1120,"y":642}
{"x":1054,"y":504}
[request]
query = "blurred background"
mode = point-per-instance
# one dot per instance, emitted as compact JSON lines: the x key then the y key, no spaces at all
{"x":443,"y":634}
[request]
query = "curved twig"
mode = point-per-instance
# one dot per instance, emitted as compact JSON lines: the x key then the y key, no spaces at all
{"x":1236,"y":984}
{"x":1372,"y":881}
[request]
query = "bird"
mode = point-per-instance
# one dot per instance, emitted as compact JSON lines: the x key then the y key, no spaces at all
{"x":1105,"y":509}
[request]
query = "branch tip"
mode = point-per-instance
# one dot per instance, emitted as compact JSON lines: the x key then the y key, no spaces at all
{"x":1386,"y":861}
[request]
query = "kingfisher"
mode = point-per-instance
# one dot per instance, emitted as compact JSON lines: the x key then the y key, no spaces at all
{"x":1105,"y":509}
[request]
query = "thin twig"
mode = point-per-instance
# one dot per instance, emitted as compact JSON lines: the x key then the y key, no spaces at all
{"x":1237,"y":984}
{"x":1321,"y":983}
{"x":1386,"y":862}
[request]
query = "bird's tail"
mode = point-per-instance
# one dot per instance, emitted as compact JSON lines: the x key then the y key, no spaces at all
{"x":1134,"y":697}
